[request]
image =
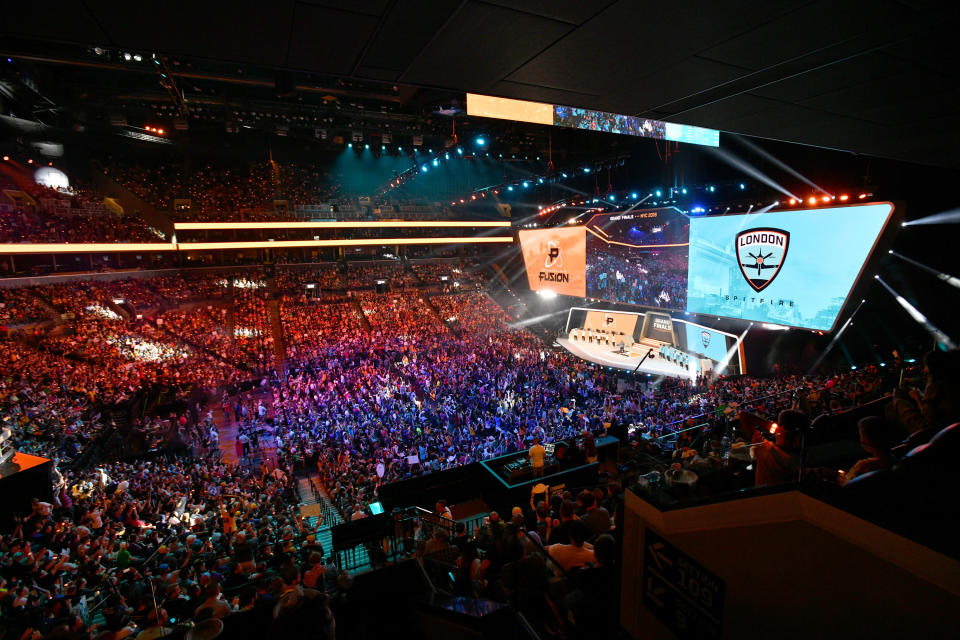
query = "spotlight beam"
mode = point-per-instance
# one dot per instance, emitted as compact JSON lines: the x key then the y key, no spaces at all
{"x":529,"y":321}
{"x":953,"y":281}
{"x":945,"y":217}
{"x":921,"y":319}
{"x":835,"y":340}
{"x":749,"y":169}
{"x":722,"y":365}
{"x":769,"y":157}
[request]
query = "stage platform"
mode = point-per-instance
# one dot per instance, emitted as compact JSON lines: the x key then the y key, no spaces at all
{"x":607,"y":356}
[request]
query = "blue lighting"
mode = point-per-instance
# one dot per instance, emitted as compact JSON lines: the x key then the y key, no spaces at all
{"x":446,"y":156}
{"x":525,"y":184}
{"x":383,"y":146}
{"x":711,"y":188}
{"x":683,"y":191}
{"x":459,"y":151}
{"x":366,"y":146}
{"x":659,"y":193}
{"x":399,"y":148}
{"x":540,"y":180}
{"x":634,"y":195}
{"x":424,"y":168}
{"x":349,"y":145}
{"x":742,"y":186}
{"x":697,"y":209}
{"x":586,"y":169}
{"x":481,"y":141}
{"x":510,"y":187}
{"x":436,"y":162}
{"x":564,"y":175}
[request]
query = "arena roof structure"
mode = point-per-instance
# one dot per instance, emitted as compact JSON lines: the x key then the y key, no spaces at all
{"x":871,"y":78}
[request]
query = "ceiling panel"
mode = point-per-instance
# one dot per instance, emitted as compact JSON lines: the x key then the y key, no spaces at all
{"x":480,"y":45}
{"x":408,"y":28}
{"x":315,"y":46}
{"x":572,"y":11}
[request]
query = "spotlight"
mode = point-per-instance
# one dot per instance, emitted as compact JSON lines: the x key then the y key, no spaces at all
{"x":812,"y":201}
{"x":160,"y":131}
{"x":6,"y":158}
{"x":137,"y":57}
{"x":659,"y":193}
{"x":825,"y":199}
{"x":400,"y":149}
{"x":862,"y":196}
{"x":793,"y":201}
{"x":742,"y":186}
{"x":510,"y":187}
{"x":459,"y":151}
{"x":683,"y":191}
{"x":127,"y":57}
{"x":563,"y":175}
{"x":481,"y":141}
{"x":30,"y":161}
{"x":383,"y":147}
{"x":349,"y":145}
{"x":586,"y":169}
{"x":366,"y":146}
{"x":436,"y":162}
{"x":525,"y":184}
{"x":424,"y":169}
{"x":634,"y":195}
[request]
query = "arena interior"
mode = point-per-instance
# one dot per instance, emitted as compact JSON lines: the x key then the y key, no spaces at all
{"x":486,"y":319}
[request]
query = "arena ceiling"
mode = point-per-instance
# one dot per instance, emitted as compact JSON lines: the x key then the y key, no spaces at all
{"x":872,"y":77}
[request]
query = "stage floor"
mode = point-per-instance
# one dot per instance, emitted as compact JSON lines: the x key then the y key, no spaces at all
{"x":606,"y":355}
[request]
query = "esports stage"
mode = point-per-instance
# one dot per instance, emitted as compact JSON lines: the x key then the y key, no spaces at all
{"x":608,"y":356}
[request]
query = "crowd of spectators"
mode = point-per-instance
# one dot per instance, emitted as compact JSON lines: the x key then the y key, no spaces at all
{"x":22,"y":305}
{"x":414,"y":385}
{"x":654,"y":278}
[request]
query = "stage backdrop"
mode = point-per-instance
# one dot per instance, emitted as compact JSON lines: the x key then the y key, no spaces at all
{"x":555,"y":259}
{"x":611,"y":321}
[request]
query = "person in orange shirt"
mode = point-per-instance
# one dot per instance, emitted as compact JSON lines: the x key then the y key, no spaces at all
{"x":537,"y":456}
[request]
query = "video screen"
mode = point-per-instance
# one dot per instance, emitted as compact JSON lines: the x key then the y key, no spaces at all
{"x":639,"y":258}
{"x":577,"y":118}
{"x":555,"y":259}
{"x":793,"y":268}
{"x":706,"y":342}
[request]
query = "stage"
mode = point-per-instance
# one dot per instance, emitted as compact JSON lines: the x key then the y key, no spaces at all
{"x":607,"y":356}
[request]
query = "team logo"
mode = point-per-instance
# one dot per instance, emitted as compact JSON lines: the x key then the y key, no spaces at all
{"x":609,"y":320}
{"x":554,"y":259}
{"x":760,"y":254}
{"x":705,"y":338}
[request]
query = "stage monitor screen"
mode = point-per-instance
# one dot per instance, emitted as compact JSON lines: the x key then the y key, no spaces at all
{"x":706,"y":342}
{"x":639,"y":257}
{"x":555,"y":259}
{"x":793,"y":268}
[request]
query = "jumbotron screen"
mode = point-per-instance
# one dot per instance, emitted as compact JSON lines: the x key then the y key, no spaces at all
{"x":794,"y":267}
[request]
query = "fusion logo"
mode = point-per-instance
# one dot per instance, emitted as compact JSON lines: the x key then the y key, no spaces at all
{"x":760,"y":254}
{"x":705,"y":338}
{"x":554,"y":261}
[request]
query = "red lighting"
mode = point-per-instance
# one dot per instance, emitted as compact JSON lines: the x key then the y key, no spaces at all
{"x":825,"y":199}
{"x":473,"y":197}
{"x":844,"y":198}
{"x":774,"y":427}
{"x":6,"y":158}
{"x":793,"y":201}
{"x":160,"y":131}
{"x":812,"y":200}
{"x":862,"y":196}
{"x":30,"y":161}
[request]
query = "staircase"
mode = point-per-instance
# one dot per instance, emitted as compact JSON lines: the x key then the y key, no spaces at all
{"x":315,"y":506}
{"x":364,"y":322}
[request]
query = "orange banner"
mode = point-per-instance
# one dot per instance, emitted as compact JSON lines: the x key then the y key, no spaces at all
{"x":556,"y":259}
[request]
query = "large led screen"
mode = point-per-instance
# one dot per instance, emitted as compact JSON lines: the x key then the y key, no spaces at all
{"x":793,"y":268}
{"x":555,"y":259}
{"x":639,"y":258}
{"x":706,"y":342}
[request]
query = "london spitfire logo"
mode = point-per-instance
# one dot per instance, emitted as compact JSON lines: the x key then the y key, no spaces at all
{"x":705,"y":338}
{"x":761,"y":253}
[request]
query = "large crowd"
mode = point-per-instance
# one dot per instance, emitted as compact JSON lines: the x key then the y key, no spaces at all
{"x":376,"y":387}
{"x":654,"y":278}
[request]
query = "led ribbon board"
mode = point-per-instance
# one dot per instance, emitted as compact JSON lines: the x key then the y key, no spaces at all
{"x":588,"y":119}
